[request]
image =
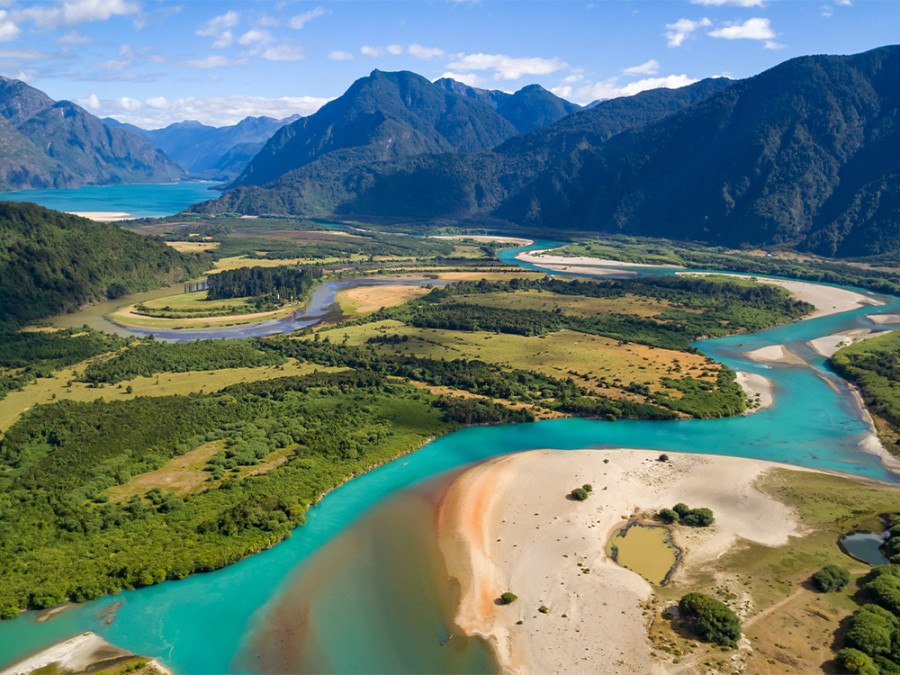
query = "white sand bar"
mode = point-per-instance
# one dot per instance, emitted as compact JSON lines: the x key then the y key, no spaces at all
{"x":774,"y":354}
{"x":75,"y":654}
{"x":487,"y":237}
{"x":758,"y":390}
{"x":826,"y":299}
{"x":540,"y":257}
{"x":506,"y":525}
{"x":104,"y":216}
{"x":827,"y":345}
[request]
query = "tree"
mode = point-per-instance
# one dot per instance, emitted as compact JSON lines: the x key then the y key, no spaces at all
{"x":698,"y":518}
{"x":710,"y":619}
{"x":579,"y":494}
{"x":668,"y":516}
{"x":508,"y":598}
{"x":831,"y":578}
{"x":854,"y":661}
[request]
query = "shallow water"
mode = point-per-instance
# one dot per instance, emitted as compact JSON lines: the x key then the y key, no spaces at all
{"x":204,"y":623}
{"x":865,"y":546}
{"x":645,"y":549}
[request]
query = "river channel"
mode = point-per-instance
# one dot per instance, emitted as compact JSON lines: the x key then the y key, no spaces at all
{"x":207,"y":623}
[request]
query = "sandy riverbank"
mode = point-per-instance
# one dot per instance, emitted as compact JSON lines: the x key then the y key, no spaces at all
{"x":506,"y":525}
{"x":518,"y":241}
{"x":540,"y":257}
{"x":104,"y":216}
{"x":757,"y":388}
{"x":775,"y":354}
{"x":827,"y":345}
{"x":79,"y":654}
{"x":826,"y":299}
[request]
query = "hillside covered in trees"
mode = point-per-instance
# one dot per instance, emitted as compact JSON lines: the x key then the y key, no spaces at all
{"x":52,"y":262}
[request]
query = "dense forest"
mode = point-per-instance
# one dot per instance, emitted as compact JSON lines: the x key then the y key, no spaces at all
{"x":874,"y":367}
{"x":285,"y":282}
{"x":62,"y":534}
{"x":53,"y":262}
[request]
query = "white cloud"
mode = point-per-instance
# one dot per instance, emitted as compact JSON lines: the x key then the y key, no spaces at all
{"x":75,"y":38}
{"x":683,"y":28}
{"x":212,"y":61}
{"x":217,"y":111}
{"x":24,"y":54}
{"x":338,"y":55}
{"x":424,"y":53}
{"x":92,"y":102}
{"x":733,"y":3}
{"x":284,"y":53}
{"x":72,"y":12}
{"x":751,"y":29}
{"x":130,"y":104}
{"x":366,"y":50}
{"x":470,"y":79}
{"x":218,"y":29}
{"x":22,"y":75}
{"x":302,"y":19}
{"x":506,"y":67}
{"x":651,"y":67}
{"x":255,"y":35}
{"x":126,"y":58}
{"x":610,"y":88}
{"x":394,"y":49}
{"x":8,"y":29}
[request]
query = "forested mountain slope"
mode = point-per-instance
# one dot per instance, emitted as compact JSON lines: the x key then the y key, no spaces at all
{"x":47,"y":144}
{"x":453,"y":184}
{"x":51,"y":262}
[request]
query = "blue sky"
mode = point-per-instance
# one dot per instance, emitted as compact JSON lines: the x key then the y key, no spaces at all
{"x":153,"y":62}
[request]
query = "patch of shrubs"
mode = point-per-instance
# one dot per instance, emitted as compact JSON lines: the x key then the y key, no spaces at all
{"x":712,"y":620}
{"x":582,"y":493}
{"x":508,"y":598}
{"x":831,"y":578}
{"x":872,"y":641}
{"x":681,"y":513}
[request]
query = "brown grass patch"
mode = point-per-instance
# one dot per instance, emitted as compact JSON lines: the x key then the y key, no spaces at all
{"x":194,"y":246}
{"x":180,"y":475}
{"x":367,"y":299}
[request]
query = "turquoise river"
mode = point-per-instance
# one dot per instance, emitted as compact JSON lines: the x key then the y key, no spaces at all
{"x":362,"y":566}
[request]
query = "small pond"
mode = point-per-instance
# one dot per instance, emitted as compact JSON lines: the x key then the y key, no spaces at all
{"x":645,"y":549}
{"x":865,"y":546}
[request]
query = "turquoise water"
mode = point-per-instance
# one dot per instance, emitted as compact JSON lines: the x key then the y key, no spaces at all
{"x":141,"y":200}
{"x":207,"y":623}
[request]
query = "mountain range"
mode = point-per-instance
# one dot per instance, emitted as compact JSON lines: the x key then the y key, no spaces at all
{"x":49,"y":144}
{"x":213,"y":153}
{"x":805,"y":155}
{"x":389,"y":115}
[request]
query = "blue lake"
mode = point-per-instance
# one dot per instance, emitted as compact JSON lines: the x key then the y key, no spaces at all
{"x":206,"y":623}
{"x":139,"y":200}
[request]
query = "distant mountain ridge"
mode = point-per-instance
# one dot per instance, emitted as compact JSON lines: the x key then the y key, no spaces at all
{"x":214,"y":153}
{"x":48,"y":144}
{"x":804,"y":155}
{"x":453,"y":185}
{"x":389,"y":115}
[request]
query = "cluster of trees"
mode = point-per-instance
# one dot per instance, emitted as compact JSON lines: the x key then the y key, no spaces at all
{"x":25,"y":356}
{"x":62,"y":536}
{"x":702,"y":398}
{"x":682,"y":513}
{"x":149,"y":357}
{"x":874,"y":366}
{"x":872,"y":641}
{"x":701,"y":307}
{"x":710,"y":619}
{"x":286,"y":282}
{"x":831,"y":578}
{"x":474,"y":376}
